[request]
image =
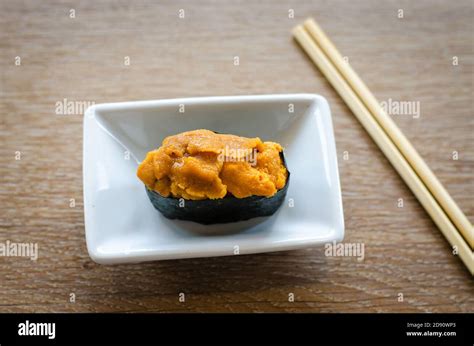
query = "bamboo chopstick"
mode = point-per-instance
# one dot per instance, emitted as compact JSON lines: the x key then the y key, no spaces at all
{"x":386,"y":145}
{"x":392,"y":130}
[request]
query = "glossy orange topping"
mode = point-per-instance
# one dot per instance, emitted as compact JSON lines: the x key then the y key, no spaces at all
{"x":201,"y":164}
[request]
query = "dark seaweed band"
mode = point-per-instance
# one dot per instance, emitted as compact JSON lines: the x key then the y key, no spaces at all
{"x":223,"y":210}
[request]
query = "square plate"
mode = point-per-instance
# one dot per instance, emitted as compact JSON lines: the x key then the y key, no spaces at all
{"x":122,"y":225}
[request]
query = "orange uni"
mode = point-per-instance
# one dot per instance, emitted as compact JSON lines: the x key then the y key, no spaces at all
{"x":201,"y":164}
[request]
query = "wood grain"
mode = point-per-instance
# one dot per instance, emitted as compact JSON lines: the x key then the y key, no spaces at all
{"x":82,"y":59}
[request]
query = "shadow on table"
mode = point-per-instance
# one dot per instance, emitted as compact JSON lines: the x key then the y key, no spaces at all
{"x":222,"y":275}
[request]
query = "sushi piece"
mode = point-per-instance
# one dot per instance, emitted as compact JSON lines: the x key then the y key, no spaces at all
{"x":206,"y":177}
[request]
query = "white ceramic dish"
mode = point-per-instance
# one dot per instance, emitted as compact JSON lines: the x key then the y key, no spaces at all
{"x":121,"y":223}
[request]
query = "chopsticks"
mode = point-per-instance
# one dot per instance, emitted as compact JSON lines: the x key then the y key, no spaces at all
{"x":388,"y":137}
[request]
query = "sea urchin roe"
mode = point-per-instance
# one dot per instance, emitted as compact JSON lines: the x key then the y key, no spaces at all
{"x":201,"y":164}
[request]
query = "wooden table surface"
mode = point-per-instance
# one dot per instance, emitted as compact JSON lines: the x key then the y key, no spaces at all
{"x":82,"y":59}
